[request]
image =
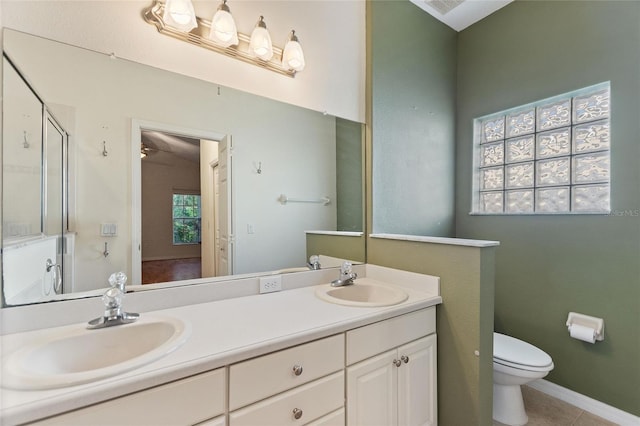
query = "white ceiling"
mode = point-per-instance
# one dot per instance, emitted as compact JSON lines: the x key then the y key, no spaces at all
{"x":163,"y":147}
{"x":459,"y":14}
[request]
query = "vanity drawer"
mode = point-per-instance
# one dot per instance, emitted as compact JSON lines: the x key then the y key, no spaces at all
{"x":370,"y":340}
{"x":261,"y":377}
{"x":183,"y":402}
{"x":313,"y":400}
{"x":336,"y":418}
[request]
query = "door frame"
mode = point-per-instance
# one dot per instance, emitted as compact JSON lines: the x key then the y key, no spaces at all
{"x":137,"y":126}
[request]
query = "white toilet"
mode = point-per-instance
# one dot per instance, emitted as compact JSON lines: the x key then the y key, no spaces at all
{"x":515,"y":363}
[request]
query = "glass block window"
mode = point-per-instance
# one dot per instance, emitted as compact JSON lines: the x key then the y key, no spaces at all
{"x":551,"y":156}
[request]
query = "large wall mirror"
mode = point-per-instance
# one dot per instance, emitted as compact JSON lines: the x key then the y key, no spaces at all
{"x":111,"y":165}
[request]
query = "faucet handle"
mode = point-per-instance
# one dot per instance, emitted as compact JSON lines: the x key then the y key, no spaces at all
{"x":112,"y":298}
{"x":118,"y":280}
{"x":314,"y":262}
{"x":346,"y":268}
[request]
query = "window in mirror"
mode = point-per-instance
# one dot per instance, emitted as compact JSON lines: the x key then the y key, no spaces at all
{"x":186,"y":219}
{"x":550,"y":156}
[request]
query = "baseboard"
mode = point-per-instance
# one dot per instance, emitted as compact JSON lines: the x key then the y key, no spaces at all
{"x":586,"y":403}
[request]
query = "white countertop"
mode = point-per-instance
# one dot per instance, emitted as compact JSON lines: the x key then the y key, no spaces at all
{"x":438,"y":240}
{"x":223,"y":332}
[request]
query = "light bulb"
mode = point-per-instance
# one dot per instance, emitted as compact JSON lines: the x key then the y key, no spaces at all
{"x":223,"y":27}
{"x":260,"y":43}
{"x":293,"y":56}
{"x":180,"y":14}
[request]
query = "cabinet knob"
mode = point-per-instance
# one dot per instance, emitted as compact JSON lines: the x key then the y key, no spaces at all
{"x":405,"y":359}
{"x":297,"y":370}
{"x":297,"y":413}
{"x":397,"y":362}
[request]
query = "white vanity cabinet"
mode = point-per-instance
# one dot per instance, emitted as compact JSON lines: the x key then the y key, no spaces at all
{"x":391,"y":373}
{"x":183,"y":402}
{"x":383,"y":373}
{"x":294,"y":386}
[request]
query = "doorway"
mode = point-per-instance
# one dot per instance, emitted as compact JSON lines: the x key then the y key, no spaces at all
{"x":174,"y":207}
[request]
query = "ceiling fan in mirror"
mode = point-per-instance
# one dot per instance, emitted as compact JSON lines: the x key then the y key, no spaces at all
{"x":145,"y":151}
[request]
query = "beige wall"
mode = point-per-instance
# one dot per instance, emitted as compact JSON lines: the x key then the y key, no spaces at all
{"x":159,"y":182}
{"x":261,"y":130}
{"x":332,"y":35}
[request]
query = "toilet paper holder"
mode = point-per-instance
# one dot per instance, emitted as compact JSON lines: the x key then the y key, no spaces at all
{"x":597,"y":324}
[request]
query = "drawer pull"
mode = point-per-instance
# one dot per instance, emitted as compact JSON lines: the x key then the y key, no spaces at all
{"x":405,"y":359}
{"x":297,"y":370}
{"x":397,"y":362}
{"x":297,"y":413}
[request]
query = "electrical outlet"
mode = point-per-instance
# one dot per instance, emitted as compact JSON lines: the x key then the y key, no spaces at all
{"x":270,"y":284}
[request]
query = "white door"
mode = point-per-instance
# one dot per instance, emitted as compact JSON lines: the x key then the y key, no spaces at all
{"x":209,"y":204}
{"x":216,"y":218}
{"x":137,"y":127}
{"x":417,"y":401}
{"x":372,"y":392}
{"x":225,"y":148}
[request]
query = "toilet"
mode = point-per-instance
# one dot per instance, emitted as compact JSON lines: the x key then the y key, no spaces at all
{"x":515,"y":363}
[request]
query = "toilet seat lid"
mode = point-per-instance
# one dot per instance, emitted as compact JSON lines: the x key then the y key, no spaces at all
{"x":517,"y":352}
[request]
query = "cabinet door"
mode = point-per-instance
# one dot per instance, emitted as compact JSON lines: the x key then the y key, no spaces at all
{"x":417,"y":402}
{"x":372,"y":391}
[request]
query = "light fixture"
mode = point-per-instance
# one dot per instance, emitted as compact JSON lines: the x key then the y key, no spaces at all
{"x":179,"y":14}
{"x":223,"y":27}
{"x":144,"y":151}
{"x":260,"y":44}
{"x":175,"y":18}
{"x":293,"y":56}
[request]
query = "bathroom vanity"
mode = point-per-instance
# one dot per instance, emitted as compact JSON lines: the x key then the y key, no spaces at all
{"x":281,"y":358}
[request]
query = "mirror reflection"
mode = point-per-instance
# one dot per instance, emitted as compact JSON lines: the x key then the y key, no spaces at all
{"x":111,"y":165}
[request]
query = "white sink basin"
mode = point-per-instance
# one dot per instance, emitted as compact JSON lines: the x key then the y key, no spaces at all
{"x":364,"y":292}
{"x":72,"y":356}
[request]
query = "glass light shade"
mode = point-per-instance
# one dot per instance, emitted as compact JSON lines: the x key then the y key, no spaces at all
{"x":293,"y":57}
{"x":260,"y":44}
{"x":223,"y":28}
{"x":179,"y":14}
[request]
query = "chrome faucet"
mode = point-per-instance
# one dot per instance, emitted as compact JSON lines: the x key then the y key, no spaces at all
{"x":314,"y":262}
{"x":346,"y":276}
{"x":112,"y":299}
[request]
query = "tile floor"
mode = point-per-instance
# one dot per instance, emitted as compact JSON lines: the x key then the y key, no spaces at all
{"x":544,"y":410}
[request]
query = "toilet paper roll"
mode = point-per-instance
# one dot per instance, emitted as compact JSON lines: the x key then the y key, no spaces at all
{"x":580,"y":332}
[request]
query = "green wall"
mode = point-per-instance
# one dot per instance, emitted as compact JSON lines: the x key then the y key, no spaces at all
{"x":413,"y":66}
{"x":340,"y":246}
{"x":349,"y":175}
{"x":547,"y":266}
{"x":464,"y":321}
{"x":411,"y":91}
